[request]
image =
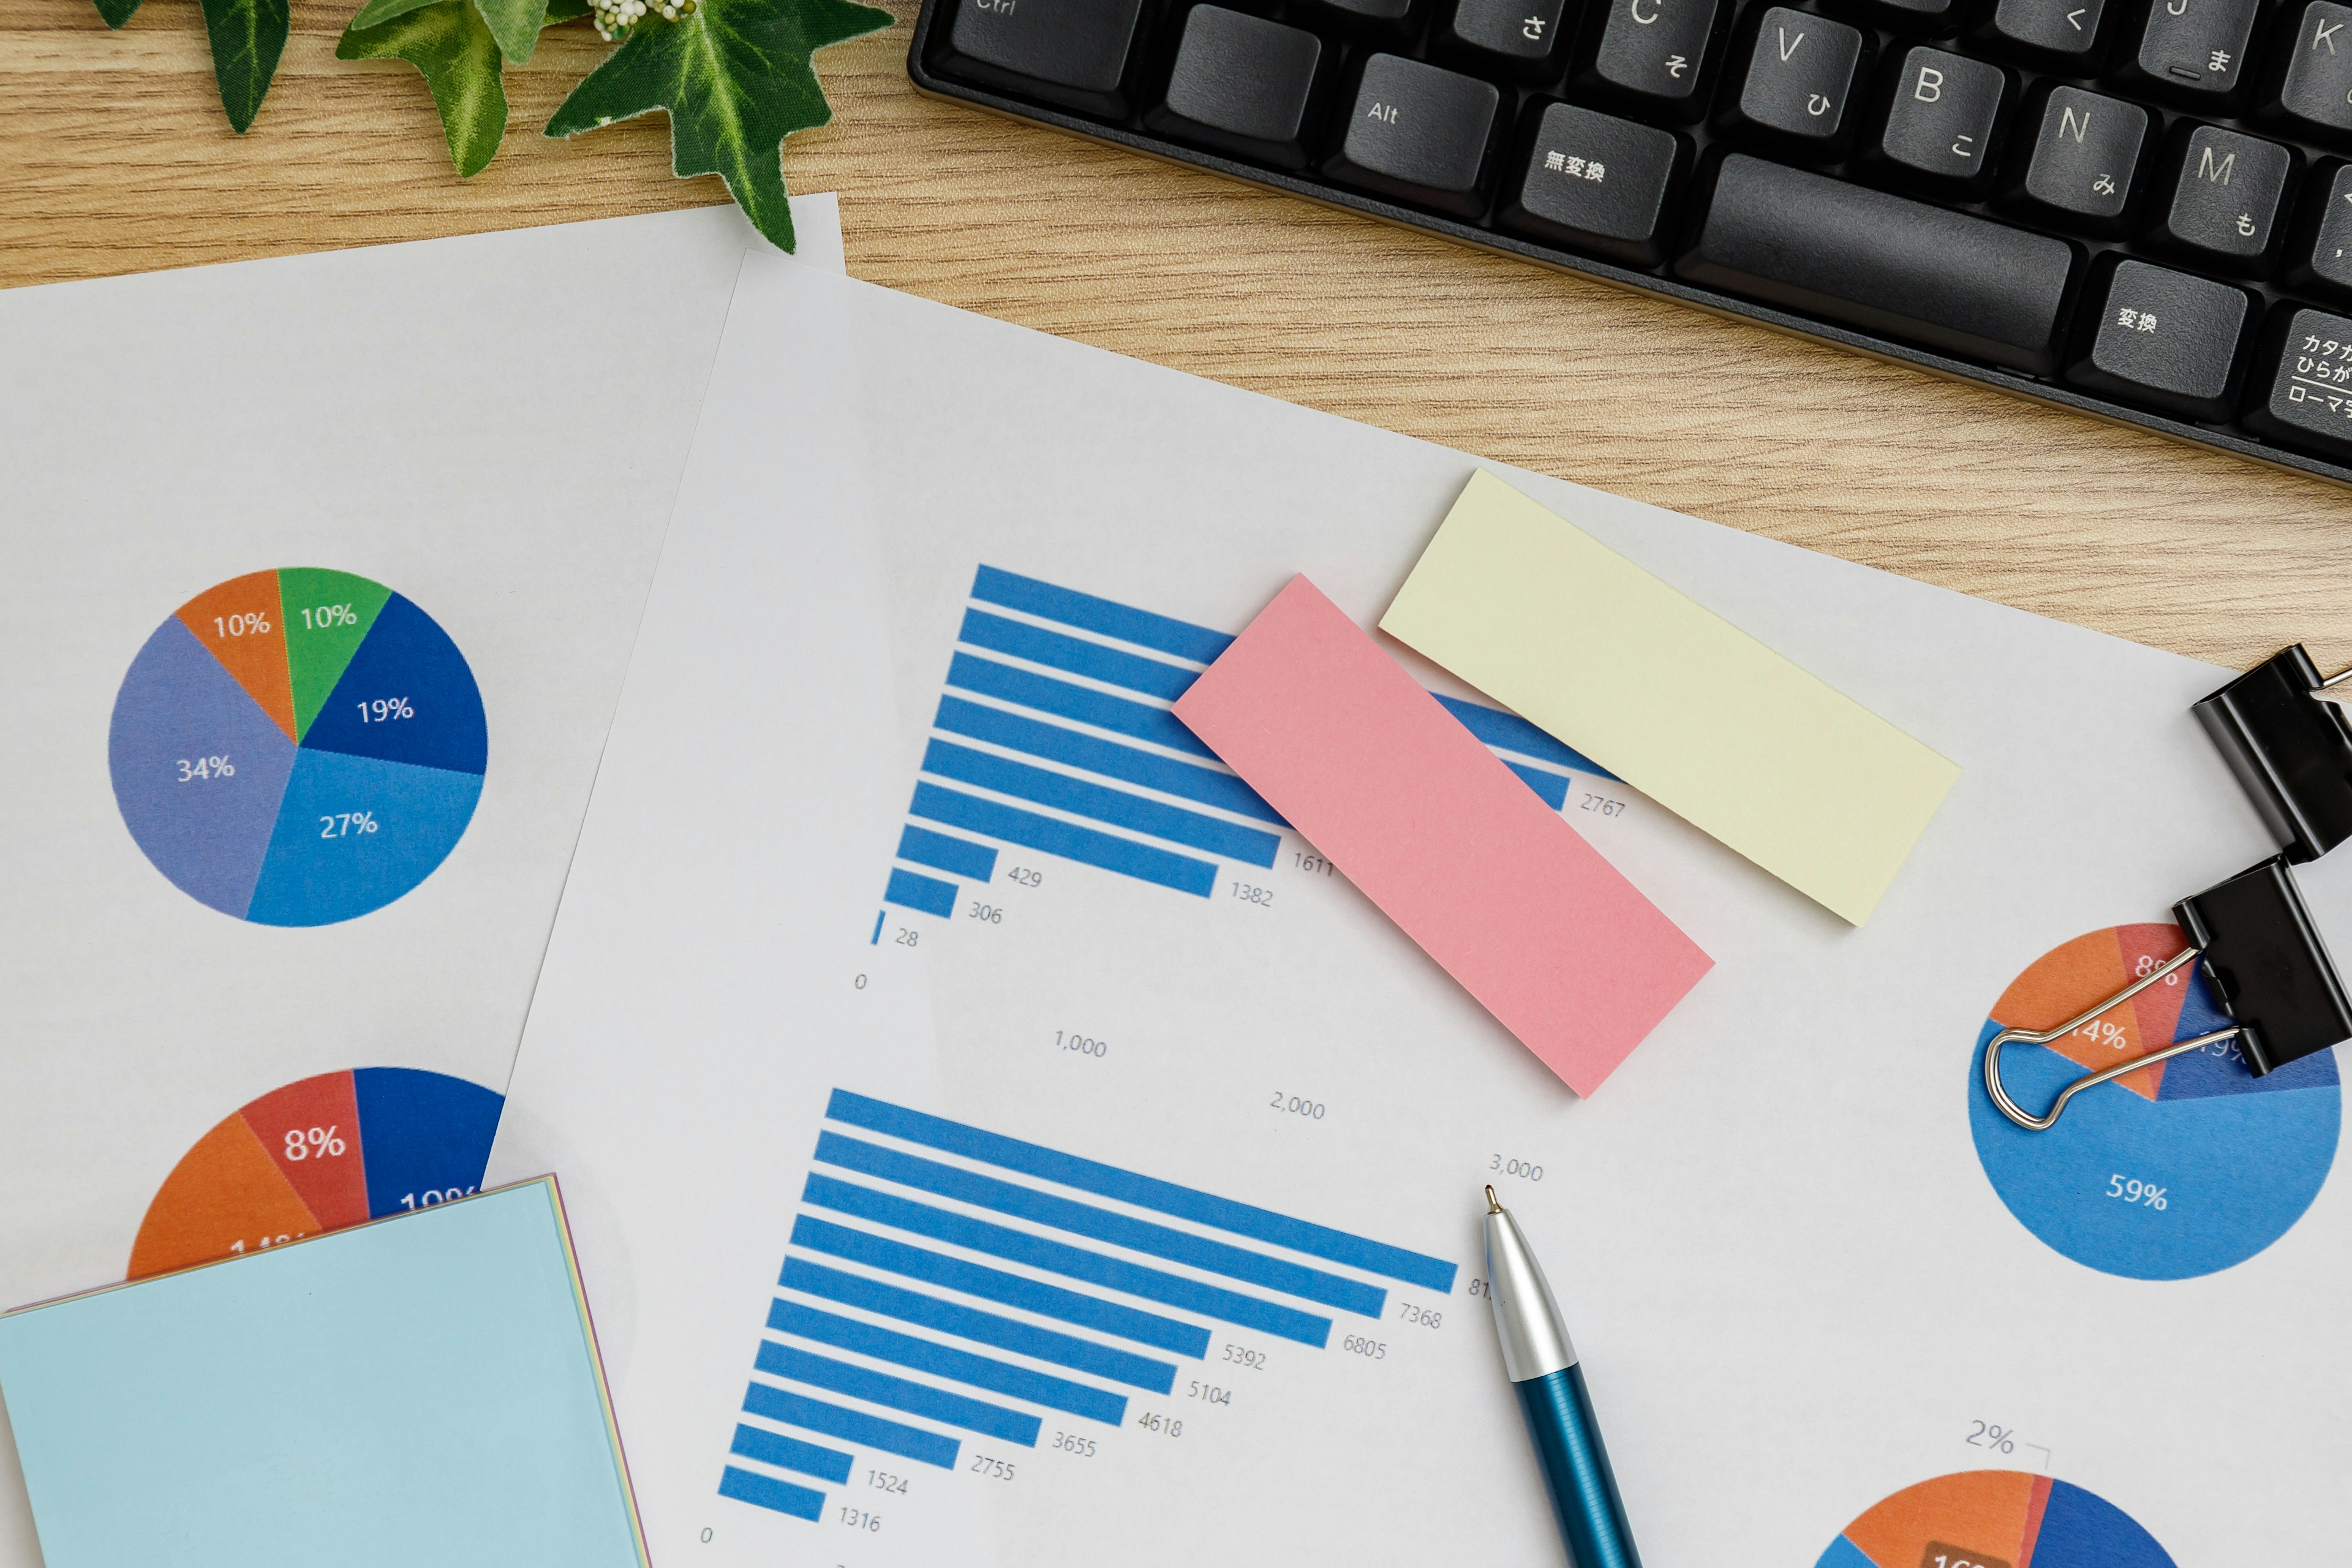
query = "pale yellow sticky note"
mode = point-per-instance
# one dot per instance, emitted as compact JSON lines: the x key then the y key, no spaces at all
{"x":1670,"y":697}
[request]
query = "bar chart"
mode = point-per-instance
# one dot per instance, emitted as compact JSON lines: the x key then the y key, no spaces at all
{"x":944,"y":1283}
{"x":1054,"y":736}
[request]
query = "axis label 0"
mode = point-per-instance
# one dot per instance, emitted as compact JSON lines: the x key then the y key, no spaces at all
{"x":318,"y":1155}
{"x":297,"y":747}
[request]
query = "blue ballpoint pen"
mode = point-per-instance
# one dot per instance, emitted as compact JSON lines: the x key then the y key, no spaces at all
{"x":1550,"y":1386}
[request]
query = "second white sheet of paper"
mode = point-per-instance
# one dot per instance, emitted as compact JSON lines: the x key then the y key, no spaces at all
{"x":1794,"y":1287}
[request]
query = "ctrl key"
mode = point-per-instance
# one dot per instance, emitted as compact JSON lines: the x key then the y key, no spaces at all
{"x":1595,"y":184}
{"x":2306,"y":397}
{"x":1070,"y":52}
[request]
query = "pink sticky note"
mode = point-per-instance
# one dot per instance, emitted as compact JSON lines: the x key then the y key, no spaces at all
{"x":1549,"y":936}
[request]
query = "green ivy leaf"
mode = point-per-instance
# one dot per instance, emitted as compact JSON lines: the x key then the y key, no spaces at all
{"x":450,"y":42}
{"x":248,"y":36}
{"x":736,"y":79}
{"x":114,"y":13}
{"x":515,"y":23}
{"x":376,"y":13}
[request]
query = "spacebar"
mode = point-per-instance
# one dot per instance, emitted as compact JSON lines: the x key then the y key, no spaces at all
{"x":1877,"y":261}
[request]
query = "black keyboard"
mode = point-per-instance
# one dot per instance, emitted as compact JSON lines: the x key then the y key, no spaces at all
{"x":2141,"y":208}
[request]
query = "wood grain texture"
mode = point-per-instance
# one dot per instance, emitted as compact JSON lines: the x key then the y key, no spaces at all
{"x":114,"y":157}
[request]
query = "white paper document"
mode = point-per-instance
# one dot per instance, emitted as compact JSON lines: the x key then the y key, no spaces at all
{"x":994,"y":1139}
{"x":438,"y":473}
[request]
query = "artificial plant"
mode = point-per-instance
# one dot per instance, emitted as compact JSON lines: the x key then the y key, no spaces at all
{"x":734,"y":76}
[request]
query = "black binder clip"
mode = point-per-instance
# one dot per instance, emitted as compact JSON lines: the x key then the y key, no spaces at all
{"x":2269,"y":973}
{"x":2290,"y":744}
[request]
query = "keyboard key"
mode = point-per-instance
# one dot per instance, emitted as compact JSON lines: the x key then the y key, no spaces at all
{"x":1941,"y":120}
{"x":2194,"y":51}
{"x":1879,"y":262}
{"x":1070,"y":52}
{"x":1908,"y":16}
{"x":2162,"y":338}
{"x":2319,"y":256}
{"x":1798,"y":76}
{"x":2065,"y":33}
{"x":2305,"y":397}
{"x":2087,"y":154}
{"x":1596,"y":184}
{"x":1655,"y":53}
{"x":1418,"y":134}
{"x":2225,"y":203}
{"x":1242,"y":85}
{"x":1378,"y":15}
{"x":2315,"y":94}
{"x":1518,"y":37}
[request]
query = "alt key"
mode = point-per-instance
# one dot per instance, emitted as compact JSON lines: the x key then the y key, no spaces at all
{"x":1596,"y":184}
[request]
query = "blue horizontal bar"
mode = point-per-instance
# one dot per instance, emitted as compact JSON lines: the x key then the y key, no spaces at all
{"x":1513,"y":733}
{"x":1053,"y":837}
{"x":995,"y":1285}
{"x":790,"y":1454}
{"x":1167,"y":775}
{"x":1075,"y":1262}
{"x":1101,"y":1224}
{"x":911,"y":890}
{"x":984,"y":1328}
{"x":851,"y":1425}
{"x":1143,"y":1192}
{"x":1091,"y":660}
{"x":1121,"y":715}
{"x":1551,"y":788}
{"x":956,"y":857}
{"x":861,"y":1338}
{"x":1088,"y":613}
{"x":768,"y":1492}
{"x":897,"y":1393}
{"x":1116,"y":807}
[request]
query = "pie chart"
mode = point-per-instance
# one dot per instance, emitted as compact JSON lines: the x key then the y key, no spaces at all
{"x":1995,"y":1519}
{"x":297,"y":747}
{"x":316,"y":1155}
{"x":2183,"y":1168}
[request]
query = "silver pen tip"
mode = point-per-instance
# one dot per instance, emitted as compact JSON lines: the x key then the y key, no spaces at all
{"x":1494,"y":1204}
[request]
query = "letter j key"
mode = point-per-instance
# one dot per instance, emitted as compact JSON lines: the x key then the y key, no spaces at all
{"x":2194,"y":51}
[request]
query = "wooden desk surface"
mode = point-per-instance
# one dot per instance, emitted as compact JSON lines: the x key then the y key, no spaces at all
{"x":114,"y":157}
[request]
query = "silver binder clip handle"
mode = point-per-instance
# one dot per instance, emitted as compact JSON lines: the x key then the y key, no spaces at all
{"x":2017,"y":1113}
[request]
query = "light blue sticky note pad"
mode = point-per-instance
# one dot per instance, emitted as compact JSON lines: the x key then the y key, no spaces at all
{"x":420,"y":1391}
